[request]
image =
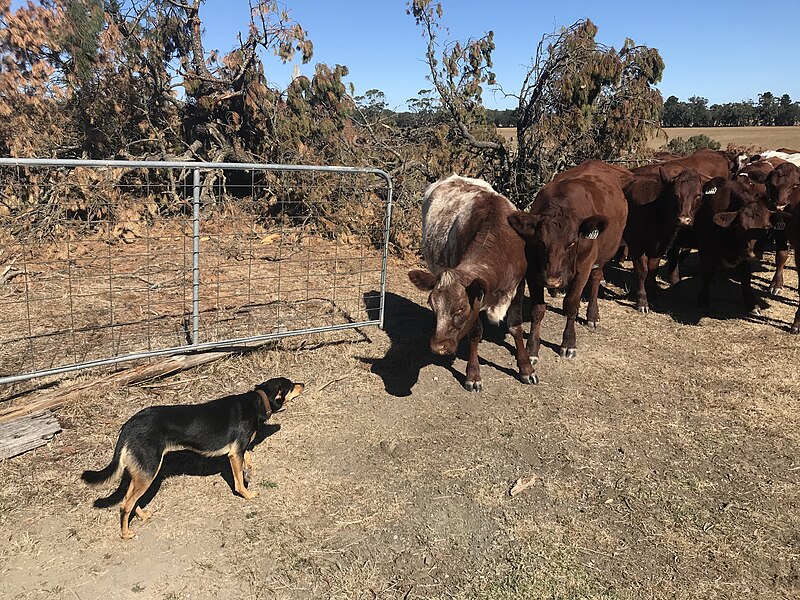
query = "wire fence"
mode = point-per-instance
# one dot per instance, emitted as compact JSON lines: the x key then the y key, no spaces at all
{"x":107,"y":261}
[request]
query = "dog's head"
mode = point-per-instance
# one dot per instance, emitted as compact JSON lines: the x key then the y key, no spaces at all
{"x":279,"y":391}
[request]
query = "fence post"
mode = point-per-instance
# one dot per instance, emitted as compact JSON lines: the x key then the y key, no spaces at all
{"x":196,"y":257}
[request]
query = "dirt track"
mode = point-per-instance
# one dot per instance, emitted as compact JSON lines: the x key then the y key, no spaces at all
{"x":667,"y":458}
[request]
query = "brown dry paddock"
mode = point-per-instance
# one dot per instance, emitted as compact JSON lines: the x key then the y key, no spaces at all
{"x":758,"y":138}
{"x":666,"y":456}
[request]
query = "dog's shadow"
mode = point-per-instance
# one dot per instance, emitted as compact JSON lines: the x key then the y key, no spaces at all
{"x":184,"y":462}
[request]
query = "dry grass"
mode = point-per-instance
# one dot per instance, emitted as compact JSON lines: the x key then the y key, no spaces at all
{"x":667,"y":457}
{"x":757,"y":138}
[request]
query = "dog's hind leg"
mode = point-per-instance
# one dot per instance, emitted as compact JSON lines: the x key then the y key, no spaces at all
{"x":138,"y":486}
{"x":237,"y":460}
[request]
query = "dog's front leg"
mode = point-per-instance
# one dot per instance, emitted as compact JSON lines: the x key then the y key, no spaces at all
{"x":248,"y":466}
{"x":237,"y":460}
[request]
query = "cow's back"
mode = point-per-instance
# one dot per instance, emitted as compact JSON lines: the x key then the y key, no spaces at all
{"x":453,"y":211}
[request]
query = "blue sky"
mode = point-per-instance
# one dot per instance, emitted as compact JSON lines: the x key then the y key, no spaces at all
{"x":724,"y":51}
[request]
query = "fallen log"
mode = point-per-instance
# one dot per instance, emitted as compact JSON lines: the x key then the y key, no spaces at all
{"x":163,"y":368}
{"x":26,"y":433}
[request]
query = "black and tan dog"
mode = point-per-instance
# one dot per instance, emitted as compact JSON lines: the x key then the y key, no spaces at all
{"x":226,"y":426}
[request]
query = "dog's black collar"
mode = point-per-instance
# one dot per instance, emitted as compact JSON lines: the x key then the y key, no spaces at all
{"x":267,"y":404}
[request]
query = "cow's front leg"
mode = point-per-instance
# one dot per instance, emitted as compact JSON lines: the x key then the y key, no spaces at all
{"x":538,"y":310}
{"x":593,"y":310}
{"x":640,"y":267}
{"x":707,"y":266}
{"x":748,"y":295}
{"x":473,"y":382}
{"x":514,"y":319}
{"x":781,"y":256}
{"x":673,"y":266}
{"x":572,"y":301}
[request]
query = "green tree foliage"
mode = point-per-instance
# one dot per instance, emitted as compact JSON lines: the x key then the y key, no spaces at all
{"x":696,"y":113}
{"x":697,"y":142}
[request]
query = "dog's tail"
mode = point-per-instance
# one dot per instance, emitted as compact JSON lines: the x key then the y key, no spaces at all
{"x":112,"y":470}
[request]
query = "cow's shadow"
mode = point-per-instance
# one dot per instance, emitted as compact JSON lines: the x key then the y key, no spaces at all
{"x":409,"y":327}
{"x":679,"y":300}
{"x":184,"y":462}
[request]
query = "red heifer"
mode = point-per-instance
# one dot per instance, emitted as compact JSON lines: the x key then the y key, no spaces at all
{"x":708,"y":163}
{"x":725,"y":232}
{"x":477,"y":263}
{"x":783,"y":188}
{"x":573,"y":228}
{"x":657,"y":206}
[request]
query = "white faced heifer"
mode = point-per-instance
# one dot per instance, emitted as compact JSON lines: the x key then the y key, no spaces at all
{"x":477,"y":263}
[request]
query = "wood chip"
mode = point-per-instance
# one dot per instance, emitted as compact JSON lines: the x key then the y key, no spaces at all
{"x":522,"y":484}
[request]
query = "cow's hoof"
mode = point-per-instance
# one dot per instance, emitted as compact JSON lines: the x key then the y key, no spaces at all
{"x":473,"y":386}
{"x":795,"y":329}
{"x":568,"y":352}
{"x":775,"y":291}
{"x":643,"y":309}
{"x":592,"y":324}
{"x":754,"y":312}
{"x":532,"y":378}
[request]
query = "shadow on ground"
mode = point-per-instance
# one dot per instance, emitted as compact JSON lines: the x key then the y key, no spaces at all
{"x":409,"y":327}
{"x":679,"y":301}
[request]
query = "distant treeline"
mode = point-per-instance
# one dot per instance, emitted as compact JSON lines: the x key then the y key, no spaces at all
{"x":696,"y":112}
{"x":769,"y":110}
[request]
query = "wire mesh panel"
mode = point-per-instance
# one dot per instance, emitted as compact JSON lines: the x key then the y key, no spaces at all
{"x":103,"y":261}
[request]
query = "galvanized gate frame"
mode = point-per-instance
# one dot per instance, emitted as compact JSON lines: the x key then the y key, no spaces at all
{"x":196,"y":168}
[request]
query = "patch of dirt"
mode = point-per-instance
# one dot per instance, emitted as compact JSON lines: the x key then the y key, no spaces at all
{"x":666,"y":456}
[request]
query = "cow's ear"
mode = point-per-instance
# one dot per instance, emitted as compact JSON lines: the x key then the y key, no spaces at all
{"x":712,"y":185}
{"x":666,"y":177}
{"x":724,"y":219}
{"x":593,"y":226}
{"x":422,"y":279}
{"x":523,"y":223}
{"x":476,"y":290}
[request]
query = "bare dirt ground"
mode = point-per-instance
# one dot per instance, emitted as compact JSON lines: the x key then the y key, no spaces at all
{"x":666,"y":456}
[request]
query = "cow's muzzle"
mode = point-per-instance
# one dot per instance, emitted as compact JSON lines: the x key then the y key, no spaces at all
{"x":685,"y":221}
{"x":553,"y":282}
{"x":443,"y":347}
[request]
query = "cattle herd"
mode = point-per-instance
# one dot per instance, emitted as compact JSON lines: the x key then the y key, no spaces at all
{"x":481,"y":251}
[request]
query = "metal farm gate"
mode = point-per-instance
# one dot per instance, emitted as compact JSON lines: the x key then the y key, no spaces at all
{"x":108,"y":261}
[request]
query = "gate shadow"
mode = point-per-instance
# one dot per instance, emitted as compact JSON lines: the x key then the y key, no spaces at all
{"x":409,"y":327}
{"x":184,"y":462}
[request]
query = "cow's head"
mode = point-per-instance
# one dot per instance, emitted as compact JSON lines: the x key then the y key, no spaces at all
{"x":745,"y":226}
{"x":554,"y":238}
{"x":687,"y":190}
{"x":456,"y":300}
{"x":780,"y":183}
